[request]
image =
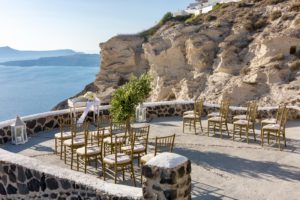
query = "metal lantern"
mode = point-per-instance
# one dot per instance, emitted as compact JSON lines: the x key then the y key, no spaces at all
{"x":140,"y":113}
{"x":19,"y":133}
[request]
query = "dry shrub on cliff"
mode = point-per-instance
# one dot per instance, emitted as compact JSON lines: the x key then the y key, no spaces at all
{"x":294,"y":65}
{"x":275,"y":14}
{"x":295,"y":7}
{"x":261,"y":23}
{"x":275,"y":1}
{"x":277,"y":57}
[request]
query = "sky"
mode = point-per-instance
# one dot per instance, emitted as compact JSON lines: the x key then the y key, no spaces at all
{"x":76,"y":24}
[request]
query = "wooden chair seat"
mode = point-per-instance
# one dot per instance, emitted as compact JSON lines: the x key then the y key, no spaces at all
{"x":272,"y":127}
{"x":147,"y":157}
{"x":240,"y":117}
{"x":109,"y":141}
{"x":122,"y":158}
{"x":136,"y":149}
{"x":76,"y":142}
{"x":92,"y":150}
{"x":213,"y":114}
{"x":65,"y":135}
{"x":242,"y":122}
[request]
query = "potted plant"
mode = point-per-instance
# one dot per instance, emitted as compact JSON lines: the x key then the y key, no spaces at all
{"x":127,"y":97}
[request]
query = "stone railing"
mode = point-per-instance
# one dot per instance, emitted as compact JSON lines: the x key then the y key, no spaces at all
{"x":22,"y":177}
{"x":48,"y":121}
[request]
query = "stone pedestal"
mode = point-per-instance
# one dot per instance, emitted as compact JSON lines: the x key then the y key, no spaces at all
{"x":167,"y":176}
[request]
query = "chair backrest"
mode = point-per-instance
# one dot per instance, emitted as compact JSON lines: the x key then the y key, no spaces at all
{"x":117,"y":127}
{"x":78,"y":132}
{"x":224,"y":109}
{"x":141,"y":134}
{"x":252,"y":112}
{"x":103,"y":121}
{"x":164,"y":144}
{"x":283,"y":118}
{"x":199,"y":107}
{"x":279,"y":112}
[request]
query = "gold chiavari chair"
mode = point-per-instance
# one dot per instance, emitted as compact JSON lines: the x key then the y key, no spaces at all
{"x":77,"y":141}
{"x":116,"y":128}
{"x":219,"y":122}
{"x":141,"y":135}
{"x":118,"y":160}
{"x":275,"y":120}
{"x":277,"y":129}
{"x":244,"y":117}
{"x":103,"y":129}
{"x":217,"y":114}
{"x":64,"y":134}
{"x":91,"y":151}
{"x":195,"y":117}
{"x":246,"y":124}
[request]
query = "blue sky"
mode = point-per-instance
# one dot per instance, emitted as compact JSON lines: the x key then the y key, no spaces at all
{"x":76,"y":24}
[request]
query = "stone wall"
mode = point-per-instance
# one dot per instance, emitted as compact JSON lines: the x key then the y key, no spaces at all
{"x":167,"y":176}
{"x":48,"y":121}
{"x":22,"y":177}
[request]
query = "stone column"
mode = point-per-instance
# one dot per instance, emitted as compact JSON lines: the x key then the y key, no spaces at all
{"x":167,"y":176}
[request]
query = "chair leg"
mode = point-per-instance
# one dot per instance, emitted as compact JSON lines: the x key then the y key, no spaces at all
{"x":268,"y":137}
{"x":141,"y":173}
{"x":233,"y":133}
{"x":123,"y":173}
{"x":194,"y":123}
{"x":227,"y":128}
{"x":201,"y":125}
{"x":247,"y":134}
{"x":65,"y":152}
{"x":254,"y":133}
{"x":221,"y":130}
{"x":183,"y":126}
{"x":116,"y":168}
{"x":262,"y":137}
{"x":77,"y":162}
{"x":61,"y":149}
{"x":103,"y":171}
{"x":208,"y":128}
{"x":284,"y":138}
{"x":72,"y":154}
{"x":85,"y":164}
{"x":55,"y":151}
{"x":132,"y":172}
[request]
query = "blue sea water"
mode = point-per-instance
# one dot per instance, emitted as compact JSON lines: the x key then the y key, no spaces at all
{"x":30,"y":90}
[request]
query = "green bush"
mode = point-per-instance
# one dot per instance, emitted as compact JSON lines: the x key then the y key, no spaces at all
{"x":147,"y":33}
{"x":127,"y":97}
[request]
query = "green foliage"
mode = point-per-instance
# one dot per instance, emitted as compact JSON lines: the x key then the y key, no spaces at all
{"x":126,"y":98}
{"x":147,"y":33}
{"x":218,"y":6}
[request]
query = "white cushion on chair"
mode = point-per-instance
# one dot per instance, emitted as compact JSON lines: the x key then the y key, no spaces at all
{"x":147,"y":157}
{"x":237,"y":117}
{"x":213,"y":114}
{"x":271,"y":127}
{"x":242,"y":122}
{"x":216,"y":119}
{"x":188,"y":112}
{"x":137,"y":148}
{"x":121,"y":159}
{"x":90,"y":150}
{"x":269,"y":121}
{"x":65,"y":135}
{"x":191,"y":116}
{"x":76,"y":142}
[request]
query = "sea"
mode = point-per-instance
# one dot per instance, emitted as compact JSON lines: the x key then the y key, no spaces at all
{"x":30,"y":90}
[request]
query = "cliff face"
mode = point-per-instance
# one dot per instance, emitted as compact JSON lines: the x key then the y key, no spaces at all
{"x":240,"y":51}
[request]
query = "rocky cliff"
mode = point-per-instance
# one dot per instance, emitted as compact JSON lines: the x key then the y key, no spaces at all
{"x":241,"y":51}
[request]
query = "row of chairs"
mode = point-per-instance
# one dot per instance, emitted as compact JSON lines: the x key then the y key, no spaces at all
{"x":241,"y":123}
{"x":110,"y":144}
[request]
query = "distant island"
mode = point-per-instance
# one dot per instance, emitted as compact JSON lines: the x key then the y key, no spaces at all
{"x":78,"y":59}
{"x":10,"y":54}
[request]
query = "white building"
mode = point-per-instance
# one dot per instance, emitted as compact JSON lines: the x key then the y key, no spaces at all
{"x":201,"y":6}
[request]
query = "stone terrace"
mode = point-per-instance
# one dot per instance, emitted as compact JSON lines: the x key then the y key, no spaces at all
{"x":221,"y":168}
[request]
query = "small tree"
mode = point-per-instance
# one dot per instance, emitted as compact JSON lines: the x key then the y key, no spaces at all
{"x":127,"y":97}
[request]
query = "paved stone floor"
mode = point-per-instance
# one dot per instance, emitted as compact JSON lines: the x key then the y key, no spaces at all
{"x":221,"y":168}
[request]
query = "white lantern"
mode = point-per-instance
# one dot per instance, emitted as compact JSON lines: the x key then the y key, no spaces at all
{"x":19,"y":133}
{"x":140,"y":113}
